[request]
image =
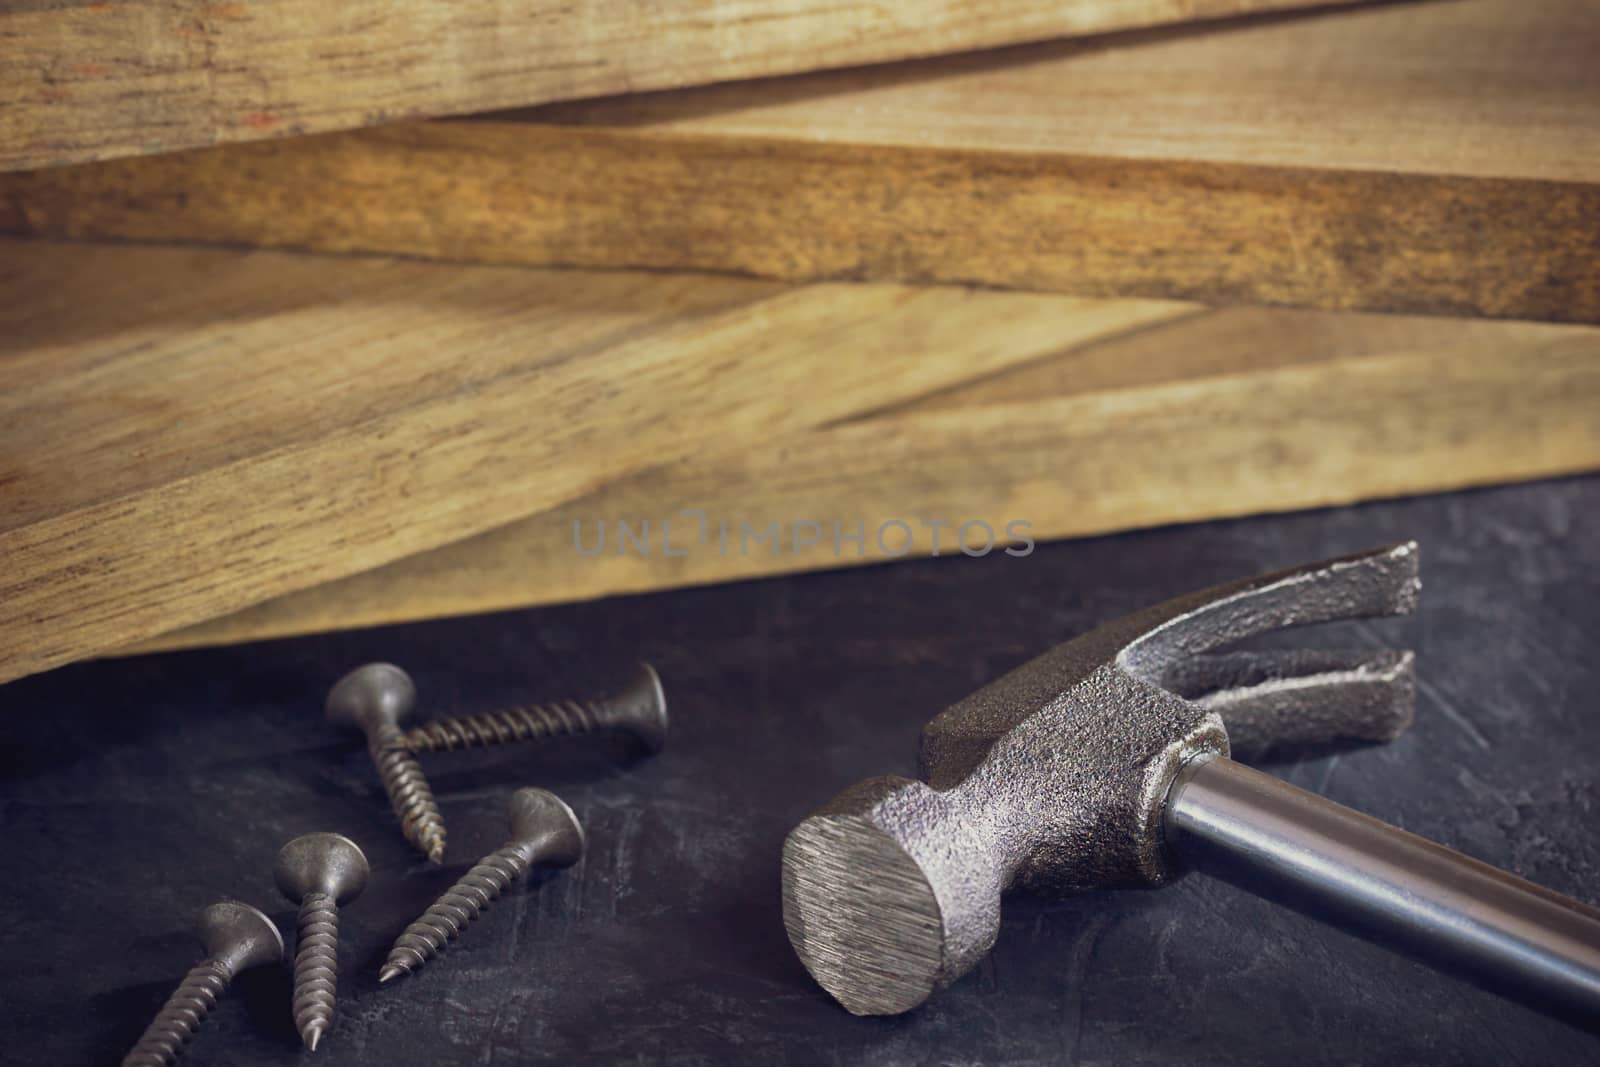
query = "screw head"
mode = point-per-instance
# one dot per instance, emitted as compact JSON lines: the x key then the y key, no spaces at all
{"x":321,"y":863}
{"x":642,"y":709}
{"x":239,"y":935}
{"x":370,"y":696}
{"x":542,"y":821}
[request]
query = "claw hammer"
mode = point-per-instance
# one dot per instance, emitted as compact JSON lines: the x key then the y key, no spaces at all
{"x":1106,"y":762}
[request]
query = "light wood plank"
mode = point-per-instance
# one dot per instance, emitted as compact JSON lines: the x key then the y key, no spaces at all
{"x":1199,"y":416}
{"x":185,"y":433}
{"x":1439,"y":158}
{"x":85,"y":81}
{"x":1464,"y":88}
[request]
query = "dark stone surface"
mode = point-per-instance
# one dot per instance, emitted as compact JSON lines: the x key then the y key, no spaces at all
{"x":135,"y":792}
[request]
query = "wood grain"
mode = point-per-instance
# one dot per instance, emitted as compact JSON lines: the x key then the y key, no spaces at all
{"x":1439,"y":158}
{"x":184,"y":433}
{"x":84,"y":81}
{"x":1196,"y":415}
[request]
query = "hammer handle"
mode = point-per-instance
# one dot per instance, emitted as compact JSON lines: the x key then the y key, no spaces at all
{"x":1400,"y":890}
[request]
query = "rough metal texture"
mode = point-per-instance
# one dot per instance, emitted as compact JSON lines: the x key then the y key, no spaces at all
{"x":1054,"y":776}
{"x":375,"y":699}
{"x":543,"y":831}
{"x":130,"y":784}
{"x":638,"y":710}
{"x":1304,"y":700}
{"x":319,"y":872}
{"x":237,"y":937}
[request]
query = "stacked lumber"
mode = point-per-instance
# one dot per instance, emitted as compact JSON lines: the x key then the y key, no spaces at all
{"x":87,"y":81}
{"x":1436,"y":158}
{"x":185,"y":433}
{"x":1156,"y":413}
{"x":954,"y":306}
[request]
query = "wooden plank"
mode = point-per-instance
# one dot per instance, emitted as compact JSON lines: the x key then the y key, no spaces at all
{"x":1455,"y":171}
{"x":184,"y":433}
{"x":86,"y":81}
{"x":1199,"y":416}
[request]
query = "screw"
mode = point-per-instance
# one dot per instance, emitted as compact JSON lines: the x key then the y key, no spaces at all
{"x":319,"y":872}
{"x":374,"y":699}
{"x":237,"y":937}
{"x":639,"y":710}
{"x":543,"y":830}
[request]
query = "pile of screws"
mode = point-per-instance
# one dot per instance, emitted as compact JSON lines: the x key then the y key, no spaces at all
{"x":319,"y":872}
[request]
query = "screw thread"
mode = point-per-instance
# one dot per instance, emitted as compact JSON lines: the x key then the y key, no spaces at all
{"x":450,"y":914}
{"x":180,"y":1016}
{"x":409,"y":793}
{"x":523,"y":722}
{"x":316,"y":967}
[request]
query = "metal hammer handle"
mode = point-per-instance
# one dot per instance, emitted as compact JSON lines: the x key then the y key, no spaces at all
{"x":1394,"y":887}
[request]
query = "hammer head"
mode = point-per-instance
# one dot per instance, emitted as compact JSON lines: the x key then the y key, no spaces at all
{"x":1055,"y":776}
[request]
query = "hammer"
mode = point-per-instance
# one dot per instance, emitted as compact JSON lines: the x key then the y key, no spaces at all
{"x":1106,"y":763}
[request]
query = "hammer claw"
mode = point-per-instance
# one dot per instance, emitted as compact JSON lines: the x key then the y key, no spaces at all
{"x":1382,"y":581}
{"x":1302,"y":701}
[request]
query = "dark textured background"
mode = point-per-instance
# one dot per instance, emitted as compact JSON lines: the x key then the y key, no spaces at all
{"x":137,"y":791}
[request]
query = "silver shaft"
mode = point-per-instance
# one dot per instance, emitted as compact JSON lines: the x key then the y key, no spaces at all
{"x":1401,"y":890}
